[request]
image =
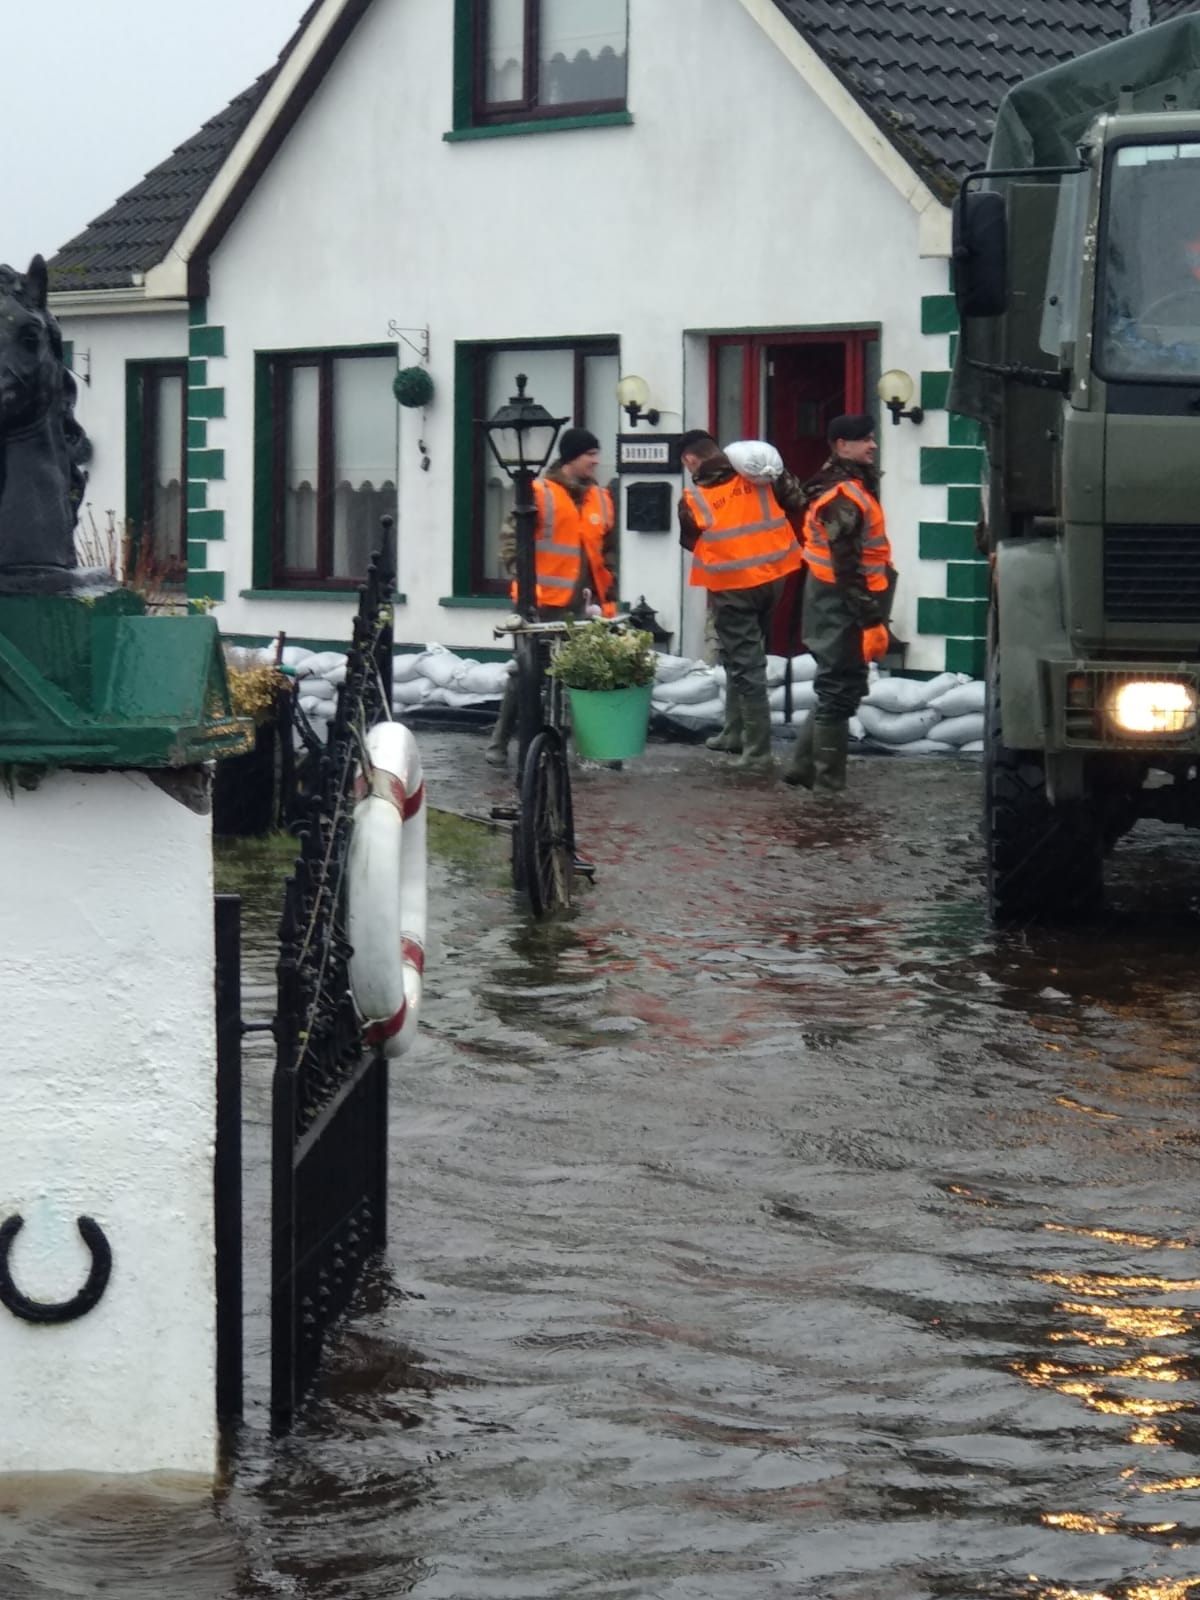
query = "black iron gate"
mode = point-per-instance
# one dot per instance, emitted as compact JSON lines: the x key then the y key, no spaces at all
{"x":329,"y":1096}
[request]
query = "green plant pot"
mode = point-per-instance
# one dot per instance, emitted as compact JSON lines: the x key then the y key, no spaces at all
{"x":610,"y":724}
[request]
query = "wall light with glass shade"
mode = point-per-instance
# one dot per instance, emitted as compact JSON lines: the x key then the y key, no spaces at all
{"x":896,"y":389}
{"x":633,"y":393}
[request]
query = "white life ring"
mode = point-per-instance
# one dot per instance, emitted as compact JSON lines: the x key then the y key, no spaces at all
{"x":386,"y":892}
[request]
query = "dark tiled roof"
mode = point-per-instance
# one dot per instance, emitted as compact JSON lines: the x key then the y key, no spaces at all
{"x":135,"y":234}
{"x":932,"y":73}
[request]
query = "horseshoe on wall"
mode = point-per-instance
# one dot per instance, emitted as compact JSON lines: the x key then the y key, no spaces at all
{"x":68,"y":1310}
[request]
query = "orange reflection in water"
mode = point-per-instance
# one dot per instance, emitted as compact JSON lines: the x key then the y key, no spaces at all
{"x":1171,"y":1589}
{"x":1141,"y":1241}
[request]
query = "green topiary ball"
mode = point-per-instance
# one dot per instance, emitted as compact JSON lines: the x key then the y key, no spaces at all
{"x":413,"y":386}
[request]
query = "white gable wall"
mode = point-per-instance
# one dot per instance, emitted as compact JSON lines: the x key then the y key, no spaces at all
{"x":735,"y":201}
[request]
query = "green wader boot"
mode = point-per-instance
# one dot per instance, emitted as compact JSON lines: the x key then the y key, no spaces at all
{"x":730,"y":737}
{"x":756,"y":739}
{"x":831,"y":743}
{"x":801,"y":770}
{"x":496,"y":754}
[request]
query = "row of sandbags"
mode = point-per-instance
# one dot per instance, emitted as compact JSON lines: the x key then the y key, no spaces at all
{"x":940,"y":715}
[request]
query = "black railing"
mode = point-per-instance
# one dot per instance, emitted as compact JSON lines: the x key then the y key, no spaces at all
{"x":329,"y":1096}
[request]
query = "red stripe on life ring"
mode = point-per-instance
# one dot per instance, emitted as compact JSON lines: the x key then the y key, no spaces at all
{"x":380,"y":1032}
{"x":414,"y":954}
{"x":414,"y":803}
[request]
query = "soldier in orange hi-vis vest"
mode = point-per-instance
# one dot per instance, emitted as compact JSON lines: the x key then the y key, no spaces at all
{"x":575,"y":554}
{"x":743,"y":547}
{"x":848,"y":592}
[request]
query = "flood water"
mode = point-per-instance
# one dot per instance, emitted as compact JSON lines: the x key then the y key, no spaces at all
{"x":767,"y":1227}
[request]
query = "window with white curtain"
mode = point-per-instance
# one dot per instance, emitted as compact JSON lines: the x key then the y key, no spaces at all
{"x":334,"y":448}
{"x":550,"y":57}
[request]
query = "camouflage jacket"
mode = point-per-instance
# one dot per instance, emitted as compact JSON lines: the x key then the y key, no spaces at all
{"x":578,"y":491}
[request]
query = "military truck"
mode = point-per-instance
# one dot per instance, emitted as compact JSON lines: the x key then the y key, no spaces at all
{"x":1077,"y":275}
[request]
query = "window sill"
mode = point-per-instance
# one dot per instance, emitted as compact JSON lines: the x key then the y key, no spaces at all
{"x":341,"y":595}
{"x":476,"y":602}
{"x":502,"y":130}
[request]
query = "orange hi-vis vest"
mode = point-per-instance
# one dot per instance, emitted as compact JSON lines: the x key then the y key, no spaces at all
{"x":745,"y":539}
{"x":876,"y":552}
{"x":566,"y":534}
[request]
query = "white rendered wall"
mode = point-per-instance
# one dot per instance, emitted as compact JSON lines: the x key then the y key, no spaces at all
{"x":108,"y":1074}
{"x":735,"y":201}
{"x":111,"y":341}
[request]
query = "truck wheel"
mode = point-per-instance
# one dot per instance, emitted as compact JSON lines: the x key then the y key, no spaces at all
{"x":1044,"y":862}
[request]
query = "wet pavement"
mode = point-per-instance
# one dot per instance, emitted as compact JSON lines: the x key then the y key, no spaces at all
{"x":767,"y":1226}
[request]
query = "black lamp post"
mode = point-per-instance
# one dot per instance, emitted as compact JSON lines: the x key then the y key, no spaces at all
{"x":522,"y":436}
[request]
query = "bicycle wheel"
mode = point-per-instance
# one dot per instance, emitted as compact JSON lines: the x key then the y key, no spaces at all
{"x":547,"y":829}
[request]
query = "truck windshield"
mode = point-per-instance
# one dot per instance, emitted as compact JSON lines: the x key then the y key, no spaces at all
{"x":1149,"y":306}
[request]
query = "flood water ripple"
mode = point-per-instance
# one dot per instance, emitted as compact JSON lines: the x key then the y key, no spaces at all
{"x":766,"y":1227}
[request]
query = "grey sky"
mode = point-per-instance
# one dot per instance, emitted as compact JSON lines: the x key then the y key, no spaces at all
{"x":126,"y":82}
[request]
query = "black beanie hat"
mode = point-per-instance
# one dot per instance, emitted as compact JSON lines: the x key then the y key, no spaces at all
{"x":576,"y":442}
{"x":853,"y":427}
{"x":693,"y":437}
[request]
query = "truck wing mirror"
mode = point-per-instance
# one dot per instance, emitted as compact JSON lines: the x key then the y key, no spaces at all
{"x":980,"y":247}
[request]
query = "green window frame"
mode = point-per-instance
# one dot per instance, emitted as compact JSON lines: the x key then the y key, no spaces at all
{"x":155,"y":533}
{"x":587,"y":370}
{"x":534,"y":89}
{"x":288,"y":382}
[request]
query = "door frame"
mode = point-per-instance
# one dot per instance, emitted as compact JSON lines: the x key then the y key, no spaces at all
{"x":755,"y":346}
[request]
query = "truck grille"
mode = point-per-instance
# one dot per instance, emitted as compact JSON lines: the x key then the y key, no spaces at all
{"x":1152,"y":574}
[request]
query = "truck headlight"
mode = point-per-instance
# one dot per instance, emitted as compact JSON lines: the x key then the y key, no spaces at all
{"x":1147,"y":706}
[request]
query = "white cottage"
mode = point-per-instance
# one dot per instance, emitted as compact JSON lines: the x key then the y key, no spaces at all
{"x":742,"y":202}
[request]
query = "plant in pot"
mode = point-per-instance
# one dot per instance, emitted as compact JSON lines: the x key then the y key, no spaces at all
{"x":608,"y":674}
{"x":248,"y":790}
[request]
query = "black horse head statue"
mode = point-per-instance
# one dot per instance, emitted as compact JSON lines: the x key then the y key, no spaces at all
{"x":42,"y":447}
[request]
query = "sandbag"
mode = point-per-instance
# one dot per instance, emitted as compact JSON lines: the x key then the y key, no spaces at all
{"x":405,"y":667}
{"x":325,"y":661}
{"x":755,"y":459}
{"x":486,"y":678}
{"x":804,"y":695}
{"x":439,"y":666}
{"x":961,"y":700}
{"x":895,"y":696}
{"x":942,"y":684}
{"x":691,"y":690}
{"x":668,"y":668}
{"x":893,"y":729}
{"x":958,"y":730}
{"x":708,"y":714}
{"x":923,"y":747}
{"x":776,"y":667}
{"x":804,"y":669}
{"x":294,"y":655}
{"x":857,"y":731}
{"x":318,"y":688}
{"x":409,"y":692}
{"x":975,"y":748}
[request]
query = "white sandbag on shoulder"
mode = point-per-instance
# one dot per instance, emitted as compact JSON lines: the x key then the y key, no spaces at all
{"x":961,"y":700}
{"x":896,"y":696}
{"x":924,"y":747}
{"x":958,"y":730}
{"x":668,"y":668}
{"x":891,"y":728}
{"x":755,"y":459}
{"x":691,"y":690}
{"x":405,"y":667}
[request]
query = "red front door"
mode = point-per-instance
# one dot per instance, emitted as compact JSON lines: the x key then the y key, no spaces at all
{"x":787,"y":388}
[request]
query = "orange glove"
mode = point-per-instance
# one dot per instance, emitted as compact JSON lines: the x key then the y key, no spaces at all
{"x":875,"y":642}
